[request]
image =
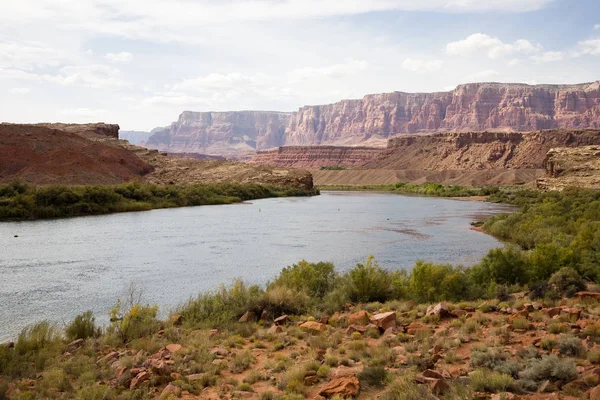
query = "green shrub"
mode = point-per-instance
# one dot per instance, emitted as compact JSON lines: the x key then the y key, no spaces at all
{"x":134,"y":322}
{"x":491,"y":382}
{"x":549,"y":368}
{"x":241,"y":362}
{"x":431,"y":282}
{"x":315,"y":279}
{"x":372,"y":376}
{"x":83,"y":326}
{"x":368,"y":282}
{"x":567,"y":282}
{"x":490,"y":358}
{"x":37,"y":337}
{"x":570,"y":345}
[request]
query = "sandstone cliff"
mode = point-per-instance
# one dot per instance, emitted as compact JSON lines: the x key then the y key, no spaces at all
{"x":439,"y":152}
{"x":571,"y":167}
{"x":317,"y":156}
{"x":374,"y":118}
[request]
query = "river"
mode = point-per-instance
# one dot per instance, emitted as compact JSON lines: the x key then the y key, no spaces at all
{"x":56,"y":269}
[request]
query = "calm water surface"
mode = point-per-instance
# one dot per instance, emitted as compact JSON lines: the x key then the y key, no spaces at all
{"x":60,"y":268}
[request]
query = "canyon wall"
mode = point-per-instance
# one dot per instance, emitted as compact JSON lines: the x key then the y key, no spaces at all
{"x":375,"y":118}
{"x":439,"y":152}
{"x":316,"y":156}
{"x":571,"y":167}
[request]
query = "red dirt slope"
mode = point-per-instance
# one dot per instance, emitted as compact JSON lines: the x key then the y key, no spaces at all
{"x":40,"y":155}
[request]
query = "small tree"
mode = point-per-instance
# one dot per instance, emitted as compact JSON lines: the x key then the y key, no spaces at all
{"x":567,"y":282}
{"x":131,"y":320}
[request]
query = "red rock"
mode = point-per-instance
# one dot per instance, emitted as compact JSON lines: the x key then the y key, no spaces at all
{"x":551,"y":312}
{"x":249,"y":316}
{"x":275,"y":329}
{"x":173,"y":348}
{"x":359,"y":318}
{"x":344,"y":387}
{"x":170,"y":390}
{"x":314,"y":326}
{"x":504,"y":396}
{"x":384,"y":320}
{"x":75,"y":345}
{"x":109,"y":358}
{"x":139,"y":379}
{"x":589,"y":295}
{"x":595,"y":393}
{"x":429,"y":373}
{"x":283,"y":320}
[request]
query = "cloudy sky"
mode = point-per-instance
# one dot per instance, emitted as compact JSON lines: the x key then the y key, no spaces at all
{"x":140,"y":63}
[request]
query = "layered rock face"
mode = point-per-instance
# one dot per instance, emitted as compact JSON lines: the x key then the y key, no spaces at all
{"x":221,"y":133}
{"x":374,"y":118}
{"x":100,"y":128}
{"x":316,"y":156}
{"x":571,"y":167}
{"x":438,"y":152}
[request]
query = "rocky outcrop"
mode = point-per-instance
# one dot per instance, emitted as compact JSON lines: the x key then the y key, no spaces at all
{"x":100,"y":128}
{"x":317,"y":156}
{"x":92,"y":154}
{"x":571,"y":167}
{"x":478,"y":150}
{"x":40,"y":155}
{"x":437,"y":152}
{"x":377,"y":117}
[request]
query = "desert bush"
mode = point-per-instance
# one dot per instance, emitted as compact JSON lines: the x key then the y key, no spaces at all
{"x":490,"y":358}
{"x":567,"y":282}
{"x":491,"y":382}
{"x":372,"y":376}
{"x":549,"y":368}
{"x":368,"y":282}
{"x":37,"y":337}
{"x":405,"y":388}
{"x":241,"y":362}
{"x":83,"y":326}
{"x":521,"y":323}
{"x":570,"y":345}
{"x":315,"y":279}
{"x":431,"y":282}
{"x":505,"y":266}
{"x":134,"y":322}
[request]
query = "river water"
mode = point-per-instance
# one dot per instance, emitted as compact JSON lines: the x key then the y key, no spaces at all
{"x":57,"y":269}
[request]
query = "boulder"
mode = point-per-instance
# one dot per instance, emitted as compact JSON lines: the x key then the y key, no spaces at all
{"x":589,"y":295}
{"x":139,"y":379}
{"x":173,"y":348}
{"x":249,"y":316}
{"x":170,"y":390}
{"x":314,"y":326}
{"x":504,"y":396}
{"x":384,"y":320}
{"x":283,"y":320}
{"x":74,"y":345}
{"x":595,"y":393}
{"x":275,"y":329}
{"x":551,"y":312}
{"x":343,"y":387}
{"x":176,"y":319}
{"x":359,"y":318}
{"x":440,"y":309}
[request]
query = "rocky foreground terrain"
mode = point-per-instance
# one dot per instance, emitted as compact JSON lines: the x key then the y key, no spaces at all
{"x":515,"y":349}
{"x":370,"y":121}
{"x":93,"y":154}
{"x":571,"y":167}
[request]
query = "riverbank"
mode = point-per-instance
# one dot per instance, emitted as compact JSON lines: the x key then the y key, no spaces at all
{"x":428,"y":189}
{"x":24,"y":202}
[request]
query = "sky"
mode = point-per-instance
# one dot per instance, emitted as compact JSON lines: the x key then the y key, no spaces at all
{"x":140,"y":63}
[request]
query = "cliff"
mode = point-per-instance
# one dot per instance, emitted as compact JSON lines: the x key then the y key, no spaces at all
{"x":316,"y":156}
{"x":221,"y":133}
{"x":439,"y":152}
{"x":571,"y":167}
{"x":100,"y":128}
{"x":377,"y":117}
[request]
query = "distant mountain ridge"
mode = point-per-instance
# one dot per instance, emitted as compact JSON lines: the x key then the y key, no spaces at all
{"x":377,"y":117}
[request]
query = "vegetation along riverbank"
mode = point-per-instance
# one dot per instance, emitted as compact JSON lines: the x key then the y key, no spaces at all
{"x":524,"y":321}
{"x":25,"y":202}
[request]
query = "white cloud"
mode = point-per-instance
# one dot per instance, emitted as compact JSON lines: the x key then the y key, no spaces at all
{"x":548,"y":56}
{"x":330,"y":71}
{"x":416,"y":65}
{"x":216,"y":81}
{"x":82,"y":112}
{"x":485,"y":75}
{"x":597,"y":26}
{"x":28,"y":55}
{"x":92,"y":76}
{"x":493,"y":47}
{"x":514,"y":62}
{"x":20,"y":90}
{"x":588,"y":47}
{"x":119,"y":58}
